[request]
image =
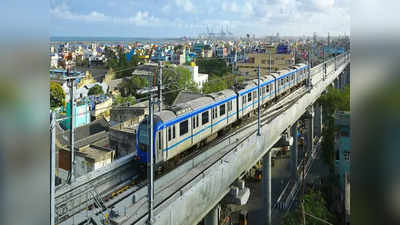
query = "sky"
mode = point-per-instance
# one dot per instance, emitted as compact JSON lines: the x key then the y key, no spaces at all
{"x":178,"y":18}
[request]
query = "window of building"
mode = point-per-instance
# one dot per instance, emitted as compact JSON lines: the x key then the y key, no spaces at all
{"x":249,"y":97}
{"x":344,"y":133}
{"x":251,"y":60}
{"x":222,"y":110}
{"x":204,"y":118}
{"x":347,"y":156}
{"x":337,"y":155}
{"x":183,"y":127}
{"x":264,"y":61}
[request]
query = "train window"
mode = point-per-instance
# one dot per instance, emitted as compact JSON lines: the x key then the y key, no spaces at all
{"x":229,"y":106}
{"x":214,"y":113}
{"x":267,"y":88}
{"x":222,"y":110}
{"x":183,"y":127}
{"x":204,"y":118}
{"x":249,"y":97}
{"x":173,"y":132}
{"x":159,"y":141}
{"x":169,"y":134}
{"x":195,"y":121}
{"x":243,"y":99}
{"x":254,"y":94}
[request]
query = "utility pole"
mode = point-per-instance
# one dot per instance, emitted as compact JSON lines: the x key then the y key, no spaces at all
{"x":52,"y":166}
{"x":150,"y":153}
{"x":259,"y":100}
{"x":150,"y":173}
{"x":160,"y":86}
{"x":70,"y":83}
{"x":323,"y":52}
{"x":270,"y":61}
{"x":72,"y":129}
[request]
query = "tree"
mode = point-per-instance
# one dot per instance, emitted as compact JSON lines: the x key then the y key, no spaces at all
{"x":118,"y":99}
{"x":57,"y":95}
{"x":333,"y":100}
{"x":314,"y":204}
{"x":176,"y":80}
{"x":96,"y":90}
{"x":213,"y":66}
{"x":129,"y":86}
{"x":214,"y":84}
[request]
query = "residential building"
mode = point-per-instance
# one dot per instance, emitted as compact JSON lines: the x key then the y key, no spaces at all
{"x":81,"y":115}
{"x":100,"y":107}
{"x":92,"y":149}
{"x":122,"y":136}
{"x":198,"y":78}
{"x":278,"y":62}
{"x":342,"y":146}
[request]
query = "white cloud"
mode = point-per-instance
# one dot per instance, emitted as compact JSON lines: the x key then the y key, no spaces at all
{"x":187,"y":5}
{"x":141,"y":18}
{"x":62,"y":11}
{"x":242,"y":9}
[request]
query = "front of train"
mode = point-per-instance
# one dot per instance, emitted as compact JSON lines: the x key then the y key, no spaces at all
{"x":143,"y":139}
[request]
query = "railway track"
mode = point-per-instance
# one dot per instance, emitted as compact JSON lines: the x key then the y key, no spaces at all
{"x":132,"y":183}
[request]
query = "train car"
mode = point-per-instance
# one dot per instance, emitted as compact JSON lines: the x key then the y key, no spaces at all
{"x":245,"y":98}
{"x":186,"y":124}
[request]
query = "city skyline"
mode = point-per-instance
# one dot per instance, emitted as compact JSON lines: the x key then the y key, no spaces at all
{"x":158,"y":19}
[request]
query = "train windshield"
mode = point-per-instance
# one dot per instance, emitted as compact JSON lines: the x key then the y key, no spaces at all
{"x":144,"y":136}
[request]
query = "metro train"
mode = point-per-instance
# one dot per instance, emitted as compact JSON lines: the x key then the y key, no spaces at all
{"x":198,"y":121}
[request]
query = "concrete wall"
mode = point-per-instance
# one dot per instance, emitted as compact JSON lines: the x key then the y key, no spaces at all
{"x":123,"y":137}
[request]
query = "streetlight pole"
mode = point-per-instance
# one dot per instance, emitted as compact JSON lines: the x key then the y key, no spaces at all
{"x":259,"y":100}
{"x":150,"y":154}
{"x":160,"y":86}
{"x":150,"y":173}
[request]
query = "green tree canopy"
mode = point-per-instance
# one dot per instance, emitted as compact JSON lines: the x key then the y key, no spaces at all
{"x":118,"y":99}
{"x":213,"y":66}
{"x":175,"y":80}
{"x":333,"y":100}
{"x":130,"y":86}
{"x":96,"y":90}
{"x":214,"y":84}
{"x":57,"y":95}
{"x":314,"y":204}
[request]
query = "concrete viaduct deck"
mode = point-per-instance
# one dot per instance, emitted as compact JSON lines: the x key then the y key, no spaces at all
{"x":207,"y":179}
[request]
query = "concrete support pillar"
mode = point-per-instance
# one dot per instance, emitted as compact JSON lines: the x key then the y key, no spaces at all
{"x":267,"y":186}
{"x":212,"y":217}
{"x":310,"y":130}
{"x":293,"y":151}
{"x":318,"y":120}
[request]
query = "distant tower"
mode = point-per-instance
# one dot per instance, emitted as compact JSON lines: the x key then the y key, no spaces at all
{"x":277,"y":37}
{"x":329,"y":40}
{"x":315,"y":37}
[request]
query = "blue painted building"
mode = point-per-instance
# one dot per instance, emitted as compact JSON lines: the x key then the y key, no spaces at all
{"x":82,"y":115}
{"x":342,"y":146}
